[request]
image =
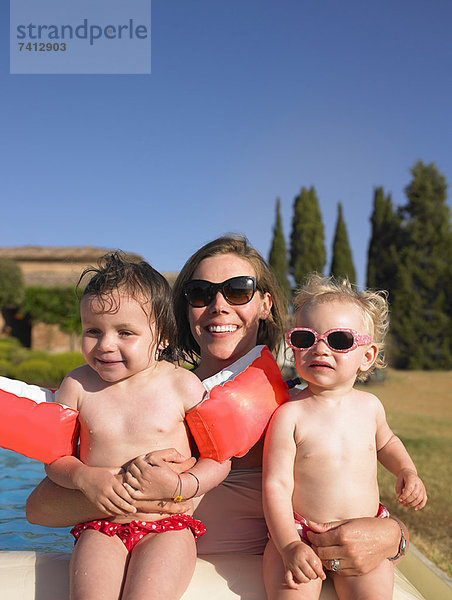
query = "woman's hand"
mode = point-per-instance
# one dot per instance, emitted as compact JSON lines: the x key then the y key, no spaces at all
{"x":358,"y":544}
{"x":153,"y":476}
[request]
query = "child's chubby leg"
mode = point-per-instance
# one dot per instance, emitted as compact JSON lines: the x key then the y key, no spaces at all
{"x":97,"y":567}
{"x":275,"y":581}
{"x":375,"y":585}
{"x":161,"y":566}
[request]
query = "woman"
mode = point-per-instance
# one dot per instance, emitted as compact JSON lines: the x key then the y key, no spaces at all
{"x":214,"y":332}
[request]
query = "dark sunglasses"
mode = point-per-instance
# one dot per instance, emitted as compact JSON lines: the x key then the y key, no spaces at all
{"x":339,"y":340}
{"x":236,"y":291}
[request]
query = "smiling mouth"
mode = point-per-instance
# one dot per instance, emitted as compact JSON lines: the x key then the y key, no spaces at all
{"x":222,"y":328}
{"x":109,"y":362}
{"x":320,"y":365}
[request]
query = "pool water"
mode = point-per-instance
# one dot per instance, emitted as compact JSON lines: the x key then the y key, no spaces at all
{"x":18,"y":476}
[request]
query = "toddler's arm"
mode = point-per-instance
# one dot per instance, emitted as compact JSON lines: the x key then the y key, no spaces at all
{"x":301,"y":564}
{"x":99,"y":484}
{"x":393,"y":455}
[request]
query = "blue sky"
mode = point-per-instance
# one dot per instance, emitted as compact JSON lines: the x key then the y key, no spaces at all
{"x":247,"y":100}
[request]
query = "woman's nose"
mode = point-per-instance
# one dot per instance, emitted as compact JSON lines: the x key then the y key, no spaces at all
{"x":218,"y":303}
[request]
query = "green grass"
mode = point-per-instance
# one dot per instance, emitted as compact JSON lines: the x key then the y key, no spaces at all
{"x":419,"y":410}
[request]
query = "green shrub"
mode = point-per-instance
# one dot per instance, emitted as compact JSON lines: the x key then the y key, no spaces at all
{"x":36,"y":367}
{"x":65,"y":362}
{"x":46,"y":369}
{"x":5,"y":368}
{"x":35,"y":371}
{"x":37,"y":355}
{"x":8,"y":346}
{"x":12,"y":351}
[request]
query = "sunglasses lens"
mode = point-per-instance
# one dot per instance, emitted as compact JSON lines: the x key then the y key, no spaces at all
{"x":340,"y":340}
{"x":198,"y":293}
{"x":239,"y":290}
{"x":302,"y":339}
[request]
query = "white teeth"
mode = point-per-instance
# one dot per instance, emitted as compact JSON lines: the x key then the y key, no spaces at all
{"x":222,"y":328}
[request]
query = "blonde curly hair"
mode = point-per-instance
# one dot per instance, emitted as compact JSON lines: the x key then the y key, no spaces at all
{"x":372,"y":303}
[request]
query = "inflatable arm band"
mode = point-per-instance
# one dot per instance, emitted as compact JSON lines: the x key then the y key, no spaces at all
{"x":241,"y":400}
{"x":227,"y":422}
{"x":33,"y":424}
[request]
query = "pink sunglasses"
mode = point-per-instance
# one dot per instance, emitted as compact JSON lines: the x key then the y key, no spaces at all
{"x":338,"y":340}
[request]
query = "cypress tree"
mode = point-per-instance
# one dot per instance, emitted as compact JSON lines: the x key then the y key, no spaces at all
{"x":277,"y":258}
{"x":382,"y":256}
{"x":421,"y":309}
{"x":342,"y":261}
{"x":307,"y":240}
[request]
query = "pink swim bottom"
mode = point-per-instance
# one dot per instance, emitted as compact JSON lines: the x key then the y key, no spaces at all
{"x":302,"y":527}
{"x":131,"y":533}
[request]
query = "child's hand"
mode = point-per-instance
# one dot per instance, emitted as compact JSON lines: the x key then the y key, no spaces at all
{"x":105,"y":490}
{"x":410,"y":490}
{"x":152,"y":476}
{"x":301,"y":564}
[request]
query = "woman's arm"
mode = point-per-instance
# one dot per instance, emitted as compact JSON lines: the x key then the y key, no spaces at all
{"x":359,"y":544}
{"x":101,"y":485}
{"x":50,"y":505}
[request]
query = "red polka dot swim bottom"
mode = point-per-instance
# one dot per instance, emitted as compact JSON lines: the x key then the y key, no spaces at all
{"x":131,"y":533}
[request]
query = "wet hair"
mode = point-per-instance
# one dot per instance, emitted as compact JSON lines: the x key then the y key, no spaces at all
{"x":116,"y":274}
{"x":271,"y":330}
{"x":373,"y":305}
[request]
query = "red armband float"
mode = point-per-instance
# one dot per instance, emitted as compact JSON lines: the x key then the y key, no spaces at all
{"x":240,"y":401}
{"x":34,"y":424}
{"x":228,"y":422}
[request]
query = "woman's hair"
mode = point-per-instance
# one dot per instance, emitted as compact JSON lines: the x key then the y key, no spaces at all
{"x":270,"y":331}
{"x":373,"y":306}
{"x":116,"y":274}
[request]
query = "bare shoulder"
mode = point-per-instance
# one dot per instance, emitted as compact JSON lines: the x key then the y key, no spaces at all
{"x":185,"y":384}
{"x":293,"y":407}
{"x":369,"y":399}
{"x":297,"y":399}
{"x":73,"y":385}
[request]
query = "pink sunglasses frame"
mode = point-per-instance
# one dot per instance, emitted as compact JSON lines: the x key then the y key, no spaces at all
{"x":359,"y":339}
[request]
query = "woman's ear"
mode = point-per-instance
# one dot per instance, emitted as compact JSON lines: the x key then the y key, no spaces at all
{"x":266,"y":306}
{"x":369,"y":357}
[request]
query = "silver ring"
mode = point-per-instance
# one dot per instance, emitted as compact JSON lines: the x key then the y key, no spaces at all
{"x":333,"y":565}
